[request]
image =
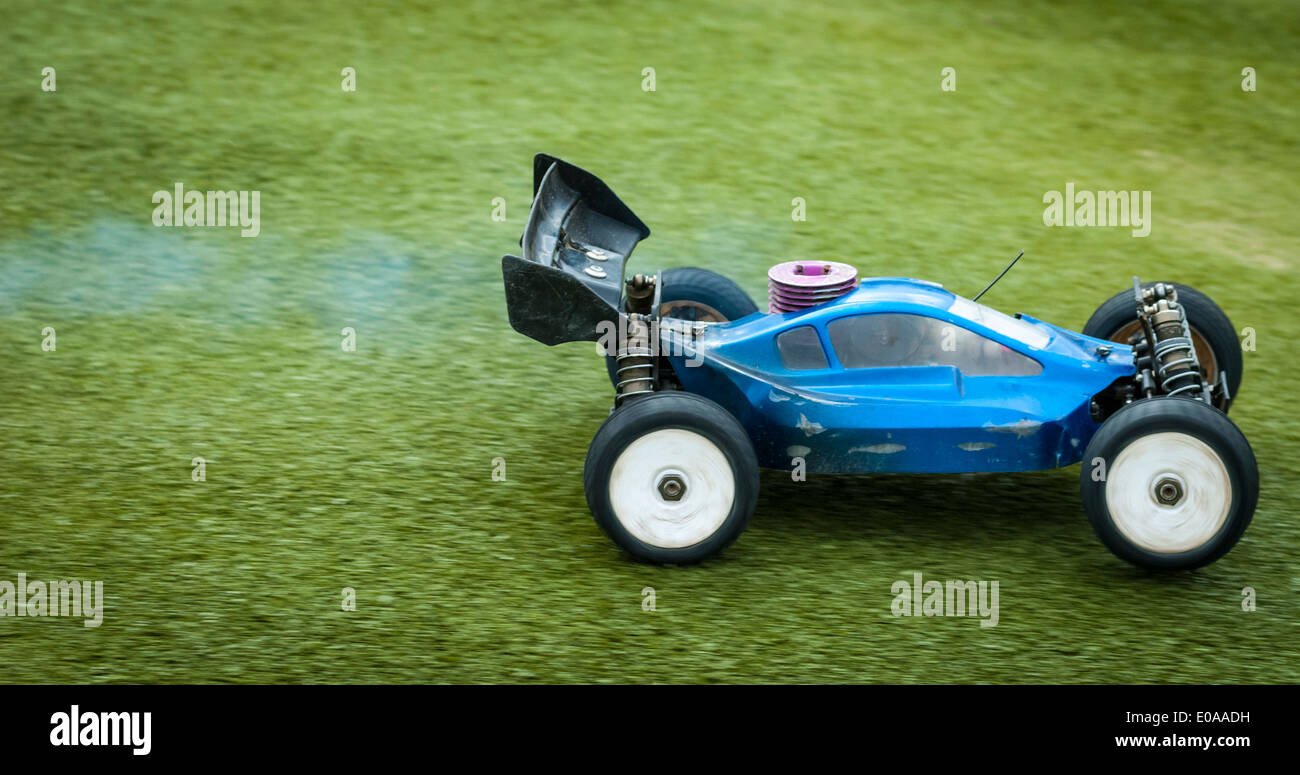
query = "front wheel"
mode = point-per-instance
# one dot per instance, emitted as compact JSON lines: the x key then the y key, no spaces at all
{"x":1213,"y":335}
{"x":1169,"y":483}
{"x":671,"y":478}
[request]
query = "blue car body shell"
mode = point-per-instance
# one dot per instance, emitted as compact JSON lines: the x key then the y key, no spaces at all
{"x":913,"y":418}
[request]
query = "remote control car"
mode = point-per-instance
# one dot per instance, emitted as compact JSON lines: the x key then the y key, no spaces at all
{"x":878,"y":375}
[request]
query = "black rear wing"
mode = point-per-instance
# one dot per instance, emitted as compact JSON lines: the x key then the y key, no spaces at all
{"x":578,"y":237}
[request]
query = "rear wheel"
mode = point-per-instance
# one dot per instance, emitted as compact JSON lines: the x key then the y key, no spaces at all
{"x":1169,"y":483}
{"x":671,"y":478}
{"x":1213,"y":335}
{"x":700,"y":295}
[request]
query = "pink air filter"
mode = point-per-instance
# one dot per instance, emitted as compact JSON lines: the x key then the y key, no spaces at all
{"x":799,"y":285}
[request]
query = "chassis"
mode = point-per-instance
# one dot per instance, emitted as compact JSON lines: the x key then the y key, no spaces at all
{"x":895,"y":376}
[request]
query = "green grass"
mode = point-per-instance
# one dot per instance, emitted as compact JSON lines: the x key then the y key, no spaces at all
{"x":373,"y":469}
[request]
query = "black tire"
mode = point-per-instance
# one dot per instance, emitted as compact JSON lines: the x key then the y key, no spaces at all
{"x":707,"y":296}
{"x":715,"y":431}
{"x":692,"y":284}
{"x":1203,"y":316}
{"x":1168,"y":536}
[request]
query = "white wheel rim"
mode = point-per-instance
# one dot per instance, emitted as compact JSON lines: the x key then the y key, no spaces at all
{"x":652,"y":518}
{"x":1166,"y":464}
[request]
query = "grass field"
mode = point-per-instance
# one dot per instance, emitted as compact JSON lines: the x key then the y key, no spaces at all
{"x":372,"y":469}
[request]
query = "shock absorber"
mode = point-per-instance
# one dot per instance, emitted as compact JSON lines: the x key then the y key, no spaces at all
{"x":1172,"y":354}
{"x":635,"y":361}
{"x":635,"y":375}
